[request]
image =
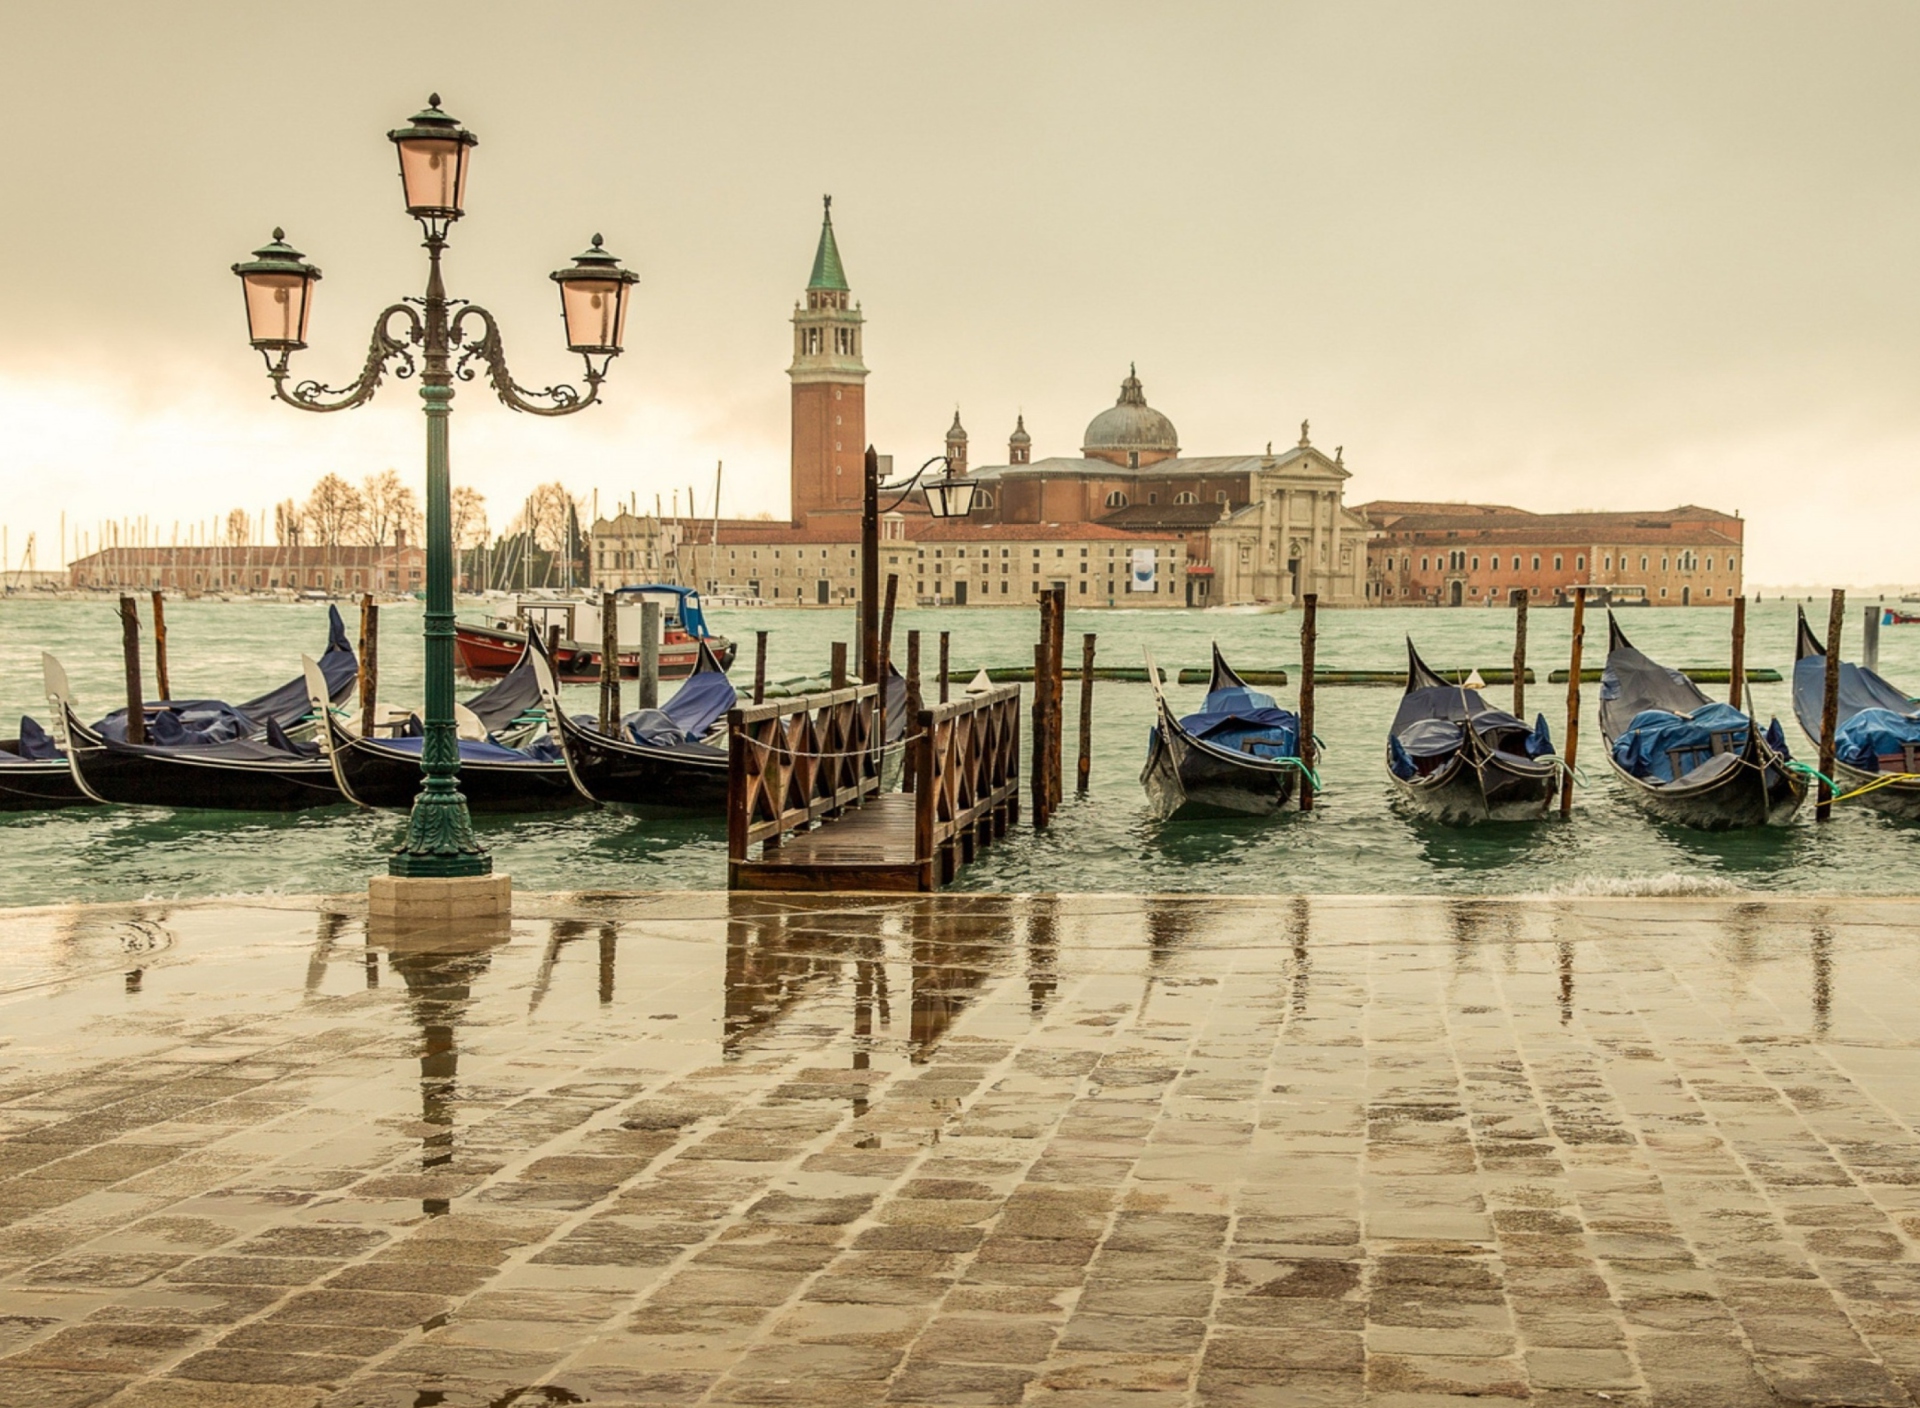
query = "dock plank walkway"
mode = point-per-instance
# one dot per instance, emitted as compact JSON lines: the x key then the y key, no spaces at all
{"x":869,"y":847}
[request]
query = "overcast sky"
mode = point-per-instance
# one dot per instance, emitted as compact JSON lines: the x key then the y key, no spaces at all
{"x":1564,"y":256}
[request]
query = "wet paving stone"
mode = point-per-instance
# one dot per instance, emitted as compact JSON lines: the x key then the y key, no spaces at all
{"x":976,"y":1150}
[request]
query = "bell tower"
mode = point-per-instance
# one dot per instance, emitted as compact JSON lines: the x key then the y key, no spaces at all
{"x":829,"y":388}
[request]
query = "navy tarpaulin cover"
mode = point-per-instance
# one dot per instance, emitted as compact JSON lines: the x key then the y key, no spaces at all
{"x":512,"y":695}
{"x":1236,"y":716}
{"x":1631,"y":683}
{"x":1661,"y":746}
{"x":1433,"y":717}
{"x":701,"y":699}
{"x":471,"y":751}
{"x":183,"y":723}
{"x":36,"y":745}
{"x":1872,"y":734}
{"x":288,"y":704}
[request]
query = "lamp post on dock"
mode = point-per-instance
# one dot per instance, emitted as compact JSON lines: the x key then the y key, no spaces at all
{"x":435,"y":154}
{"x":950,"y":496}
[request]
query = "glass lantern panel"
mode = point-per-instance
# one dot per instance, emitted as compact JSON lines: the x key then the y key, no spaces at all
{"x":276,"y":308}
{"x":434,"y":173}
{"x":594,"y":313}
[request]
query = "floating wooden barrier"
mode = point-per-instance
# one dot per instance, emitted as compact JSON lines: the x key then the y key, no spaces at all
{"x":1755,"y":675}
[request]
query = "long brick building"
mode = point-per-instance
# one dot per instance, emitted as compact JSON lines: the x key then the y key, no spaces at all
{"x":337,"y":570}
{"x":1452,"y":554}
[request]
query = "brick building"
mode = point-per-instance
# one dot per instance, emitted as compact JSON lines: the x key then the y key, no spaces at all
{"x":338,"y":570}
{"x":1440,"y":554}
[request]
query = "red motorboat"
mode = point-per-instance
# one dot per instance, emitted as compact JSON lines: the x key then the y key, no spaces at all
{"x":573,"y":626}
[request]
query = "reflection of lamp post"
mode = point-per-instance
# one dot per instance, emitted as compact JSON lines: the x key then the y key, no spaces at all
{"x":435,"y":155}
{"x":948,"y":497}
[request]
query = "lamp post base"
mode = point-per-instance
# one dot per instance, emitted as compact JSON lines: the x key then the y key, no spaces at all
{"x":406,"y":900}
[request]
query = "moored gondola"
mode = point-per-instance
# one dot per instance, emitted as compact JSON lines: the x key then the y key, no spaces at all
{"x":1238,"y":756}
{"x":1876,"y":753}
{"x":385,"y":772}
{"x":658,"y":761}
{"x":270,"y":773}
{"x":1686,"y":758}
{"x":1454,"y":758}
{"x":34,"y":775}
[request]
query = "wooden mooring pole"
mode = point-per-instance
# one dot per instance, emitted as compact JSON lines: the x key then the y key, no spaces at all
{"x":609,"y":662}
{"x":369,"y":662}
{"x":1737,"y":674}
{"x":1085,"y":770}
{"x":837,"y":670}
{"x":908,"y":771}
{"x":1870,"y":638}
{"x":1830,"y":706}
{"x":945,"y":642}
{"x":1309,"y":639}
{"x":1038,"y":783}
{"x":759,"y":667}
{"x":885,"y":665}
{"x":649,"y":654}
{"x":1057,"y":697}
{"x":1520,"y":655}
{"x":130,"y":648}
{"x":160,"y":680}
{"x":1573,"y":700}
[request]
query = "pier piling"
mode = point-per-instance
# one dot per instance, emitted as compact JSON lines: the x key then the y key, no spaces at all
{"x":837,"y":670}
{"x":1870,"y":638}
{"x":1309,"y":638}
{"x":1737,"y":671}
{"x":130,"y":648}
{"x":1830,"y":705}
{"x":160,"y":680}
{"x":1056,"y":697}
{"x":369,"y":662}
{"x":1085,"y":769}
{"x":909,"y":771}
{"x":886,"y":661}
{"x":1573,"y":700}
{"x":759,"y":667}
{"x":945,"y":642}
{"x":1520,"y":655}
{"x":649,"y":655}
{"x":609,"y":662}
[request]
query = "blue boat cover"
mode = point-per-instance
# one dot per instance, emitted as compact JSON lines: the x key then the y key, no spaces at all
{"x":1432,"y":720}
{"x":1659,"y":745}
{"x":698,"y":703}
{"x":470,"y":751}
{"x":288,"y":703}
{"x":508,"y":697}
{"x":1863,"y":740}
{"x":1861,"y":690}
{"x":1234,"y":717}
{"x":36,"y":745}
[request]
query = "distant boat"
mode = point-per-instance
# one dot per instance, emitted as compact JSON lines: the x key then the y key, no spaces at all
{"x":1686,"y":758}
{"x":1877,"y":740}
{"x":1238,"y":756}
{"x":1454,"y":758}
{"x":483,"y":652}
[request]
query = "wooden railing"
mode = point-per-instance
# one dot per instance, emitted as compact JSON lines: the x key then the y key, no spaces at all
{"x":965,"y":766}
{"x":795,"y":761}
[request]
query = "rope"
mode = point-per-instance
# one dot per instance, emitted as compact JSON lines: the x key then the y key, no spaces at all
{"x":1573,"y":770}
{"x":1886,"y":780}
{"x":1808,"y":770}
{"x":1305,"y":771}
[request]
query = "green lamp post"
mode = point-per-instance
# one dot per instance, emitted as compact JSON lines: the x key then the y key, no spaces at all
{"x":435,"y":155}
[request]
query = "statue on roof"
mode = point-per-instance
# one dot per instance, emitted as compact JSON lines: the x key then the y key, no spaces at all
{"x":1303,"y":433}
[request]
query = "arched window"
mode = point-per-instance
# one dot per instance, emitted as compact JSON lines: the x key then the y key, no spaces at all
{"x":1219,"y":496}
{"x":1186,"y":496}
{"x":983,"y":498}
{"x":1116,"y":499}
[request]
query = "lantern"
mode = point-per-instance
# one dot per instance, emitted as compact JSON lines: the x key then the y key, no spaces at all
{"x":949,"y":498}
{"x":279,"y":288}
{"x":593,"y":301}
{"x":434,"y":156}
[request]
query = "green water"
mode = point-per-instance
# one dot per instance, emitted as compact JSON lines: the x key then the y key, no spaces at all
{"x":1356,"y":842}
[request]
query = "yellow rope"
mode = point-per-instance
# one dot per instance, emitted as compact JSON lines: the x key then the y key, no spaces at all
{"x":1884,"y":781}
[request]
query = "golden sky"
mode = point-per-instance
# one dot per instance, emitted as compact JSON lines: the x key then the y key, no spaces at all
{"x":1567,"y":256}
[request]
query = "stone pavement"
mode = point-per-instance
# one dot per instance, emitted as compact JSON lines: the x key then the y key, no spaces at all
{"x":1105,"y":1151}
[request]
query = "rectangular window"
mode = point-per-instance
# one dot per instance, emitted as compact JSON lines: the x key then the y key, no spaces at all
{"x":1556,"y":562}
{"x":1536,"y":562}
{"x":1580,"y":563}
{"x":1476,"y":562}
{"x":1643,"y":562}
{"x":1423,"y":564}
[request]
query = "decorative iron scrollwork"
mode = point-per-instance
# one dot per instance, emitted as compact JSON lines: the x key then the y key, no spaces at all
{"x":486,"y":347}
{"x":385,"y":347}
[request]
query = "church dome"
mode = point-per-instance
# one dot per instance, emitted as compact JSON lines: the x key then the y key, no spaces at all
{"x":1130,"y":425}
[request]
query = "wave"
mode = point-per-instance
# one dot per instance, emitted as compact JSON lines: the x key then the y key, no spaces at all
{"x":1672,"y":885}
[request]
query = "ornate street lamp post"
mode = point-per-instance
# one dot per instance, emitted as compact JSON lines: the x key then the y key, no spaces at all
{"x":950,"y":496}
{"x":435,"y":153}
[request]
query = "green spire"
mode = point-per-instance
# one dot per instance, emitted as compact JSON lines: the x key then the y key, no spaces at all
{"x":827,"y":272}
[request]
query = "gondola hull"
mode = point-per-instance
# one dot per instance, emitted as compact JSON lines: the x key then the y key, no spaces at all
{"x":1464,"y":791}
{"x":1899,"y":800}
{"x":39,"y":785}
{"x":194,"y":778}
{"x":1740,"y":797}
{"x":1186,"y":780}
{"x":484,"y":652}
{"x":377,"y":776}
{"x":654,"y":780}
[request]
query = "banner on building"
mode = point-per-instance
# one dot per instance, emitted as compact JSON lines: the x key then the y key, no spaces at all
{"x":1144,"y":560}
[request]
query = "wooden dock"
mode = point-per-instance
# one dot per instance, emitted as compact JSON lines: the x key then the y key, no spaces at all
{"x":805,"y":788}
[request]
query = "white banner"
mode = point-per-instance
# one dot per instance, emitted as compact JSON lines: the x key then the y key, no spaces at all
{"x":1142,"y":580}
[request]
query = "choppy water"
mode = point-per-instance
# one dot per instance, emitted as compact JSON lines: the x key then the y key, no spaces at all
{"x":1356,"y":842}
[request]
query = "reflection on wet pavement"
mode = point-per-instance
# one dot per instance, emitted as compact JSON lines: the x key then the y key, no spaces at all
{"x":1091,"y":1150}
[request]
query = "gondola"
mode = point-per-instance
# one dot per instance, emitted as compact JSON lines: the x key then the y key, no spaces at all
{"x":385,"y":772}
{"x":1454,"y":758}
{"x":1238,"y":756}
{"x":659,"y":760}
{"x":266,"y":774}
{"x":34,"y":775}
{"x":1877,"y":737}
{"x":204,"y":753}
{"x":1686,"y":758}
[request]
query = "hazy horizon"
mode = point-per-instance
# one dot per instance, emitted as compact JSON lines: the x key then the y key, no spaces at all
{"x":1622,"y":257}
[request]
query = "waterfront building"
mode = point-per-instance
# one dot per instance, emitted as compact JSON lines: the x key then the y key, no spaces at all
{"x":337,"y":569}
{"x":1456,"y":554}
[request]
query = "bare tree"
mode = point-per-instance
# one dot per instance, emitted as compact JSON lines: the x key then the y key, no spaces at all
{"x":335,"y":511}
{"x":469,"y":511}
{"x":239,"y":528}
{"x":390,"y":505}
{"x":549,"y":510}
{"x":289,"y":524}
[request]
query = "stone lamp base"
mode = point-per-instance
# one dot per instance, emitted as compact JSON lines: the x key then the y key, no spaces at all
{"x":404,"y":900}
